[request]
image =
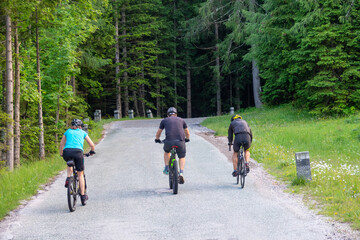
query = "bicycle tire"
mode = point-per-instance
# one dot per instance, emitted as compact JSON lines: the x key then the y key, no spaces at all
{"x":175,"y":177}
{"x":71,"y":194}
{"x":243,"y":173}
{"x":171,"y":173}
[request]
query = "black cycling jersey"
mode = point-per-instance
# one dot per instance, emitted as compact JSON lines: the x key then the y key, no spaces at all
{"x":242,"y":133}
{"x":174,"y":128}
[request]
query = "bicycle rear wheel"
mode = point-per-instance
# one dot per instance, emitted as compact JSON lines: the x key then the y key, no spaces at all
{"x":72,"y":194}
{"x":243,"y":173}
{"x":175,"y":177}
{"x":170,"y":177}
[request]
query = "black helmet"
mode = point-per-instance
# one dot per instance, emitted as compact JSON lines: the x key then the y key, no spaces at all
{"x":76,"y":123}
{"x":236,"y":117}
{"x":171,"y":111}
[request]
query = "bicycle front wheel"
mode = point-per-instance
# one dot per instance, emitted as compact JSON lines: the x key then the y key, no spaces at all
{"x":175,"y":180}
{"x":72,"y":194}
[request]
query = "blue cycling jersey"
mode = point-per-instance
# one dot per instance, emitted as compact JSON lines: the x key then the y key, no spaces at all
{"x":75,"y":138}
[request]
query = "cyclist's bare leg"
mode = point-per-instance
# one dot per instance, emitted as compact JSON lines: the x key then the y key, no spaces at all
{"x":182,"y":163}
{"x":166,"y":158}
{"x":82,"y":182}
{"x":69,"y":171}
{"x":235,"y":160}
{"x":247,"y":156}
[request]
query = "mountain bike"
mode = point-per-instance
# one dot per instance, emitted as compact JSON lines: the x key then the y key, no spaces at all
{"x":241,"y":167}
{"x":73,"y":189}
{"x":173,"y":170}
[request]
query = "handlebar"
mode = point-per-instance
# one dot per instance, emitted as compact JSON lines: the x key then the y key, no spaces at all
{"x":89,"y":154}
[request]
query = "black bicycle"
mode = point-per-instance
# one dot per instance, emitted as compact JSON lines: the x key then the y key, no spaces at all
{"x":73,"y":188}
{"x":173,"y":170}
{"x":241,"y":167}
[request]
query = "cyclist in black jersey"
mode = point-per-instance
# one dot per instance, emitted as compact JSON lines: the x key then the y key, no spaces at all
{"x":176,"y":134}
{"x":243,"y":134}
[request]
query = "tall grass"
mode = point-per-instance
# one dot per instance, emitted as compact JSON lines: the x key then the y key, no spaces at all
{"x":24,"y":182}
{"x":334,"y":147}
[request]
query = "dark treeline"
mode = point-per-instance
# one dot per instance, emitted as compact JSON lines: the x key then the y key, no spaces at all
{"x":61,"y":59}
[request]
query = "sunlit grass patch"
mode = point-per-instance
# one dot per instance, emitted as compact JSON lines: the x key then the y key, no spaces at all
{"x":333,"y":145}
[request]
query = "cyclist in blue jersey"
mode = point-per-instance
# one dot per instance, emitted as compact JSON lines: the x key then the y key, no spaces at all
{"x":72,"y":147}
{"x":176,"y":134}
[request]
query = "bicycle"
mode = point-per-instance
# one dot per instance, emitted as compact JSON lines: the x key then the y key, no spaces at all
{"x":173,"y":170}
{"x":73,"y":188}
{"x":241,"y":167}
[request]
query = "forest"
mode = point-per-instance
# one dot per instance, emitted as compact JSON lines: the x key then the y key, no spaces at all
{"x":64,"y":59}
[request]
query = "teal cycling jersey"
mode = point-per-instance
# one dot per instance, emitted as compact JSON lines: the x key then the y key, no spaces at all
{"x":75,"y":138}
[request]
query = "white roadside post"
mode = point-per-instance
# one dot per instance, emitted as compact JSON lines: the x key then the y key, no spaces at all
{"x":303,"y":165}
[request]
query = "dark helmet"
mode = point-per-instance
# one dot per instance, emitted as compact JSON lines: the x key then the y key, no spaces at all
{"x":76,"y":123}
{"x":236,"y":117}
{"x":171,"y":111}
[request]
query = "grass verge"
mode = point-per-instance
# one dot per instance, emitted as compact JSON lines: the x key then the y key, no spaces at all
{"x":334,"y":147}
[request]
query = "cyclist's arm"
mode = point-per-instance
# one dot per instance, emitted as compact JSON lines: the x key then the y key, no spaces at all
{"x":158,"y":133}
{"x":230,"y":134}
{"x":62,"y":145}
{"x":187,"y":133}
{"x":91,"y":144}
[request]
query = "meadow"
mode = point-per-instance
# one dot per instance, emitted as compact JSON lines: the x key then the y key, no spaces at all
{"x":333,"y":145}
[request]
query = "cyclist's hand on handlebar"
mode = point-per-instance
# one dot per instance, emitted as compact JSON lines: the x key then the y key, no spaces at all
{"x":187,"y":140}
{"x":229,"y":144}
{"x":157,"y":141}
{"x":92,"y":152}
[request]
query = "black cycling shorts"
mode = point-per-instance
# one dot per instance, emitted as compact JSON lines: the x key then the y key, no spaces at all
{"x":239,"y":138}
{"x":181,"y":148}
{"x":77,"y":155}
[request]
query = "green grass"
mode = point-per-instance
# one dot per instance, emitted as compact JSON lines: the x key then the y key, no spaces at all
{"x":334,"y":147}
{"x":23,"y":183}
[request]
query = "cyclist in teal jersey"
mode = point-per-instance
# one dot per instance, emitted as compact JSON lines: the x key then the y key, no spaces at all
{"x":72,"y":147}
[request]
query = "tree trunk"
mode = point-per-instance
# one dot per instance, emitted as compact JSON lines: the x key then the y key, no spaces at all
{"x":255,"y":71}
{"x":218,"y":89}
{"x":158,"y":109}
{"x":40,"y":111}
{"x":17,"y":101}
{"x":73,"y":84}
{"x":231,"y":91}
{"x":117,"y":61}
{"x":142,"y":93}
{"x":256,"y":85}
{"x":57,"y":119}
{"x":238,"y":101}
{"x":9,"y":98}
{"x":188,"y":87}
{"x":175,"y":72}
{"x":125,"y":74}
{"x":135,"y":103}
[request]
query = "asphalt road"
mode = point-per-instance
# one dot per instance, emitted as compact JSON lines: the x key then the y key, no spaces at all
{"x":129,"y":198}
